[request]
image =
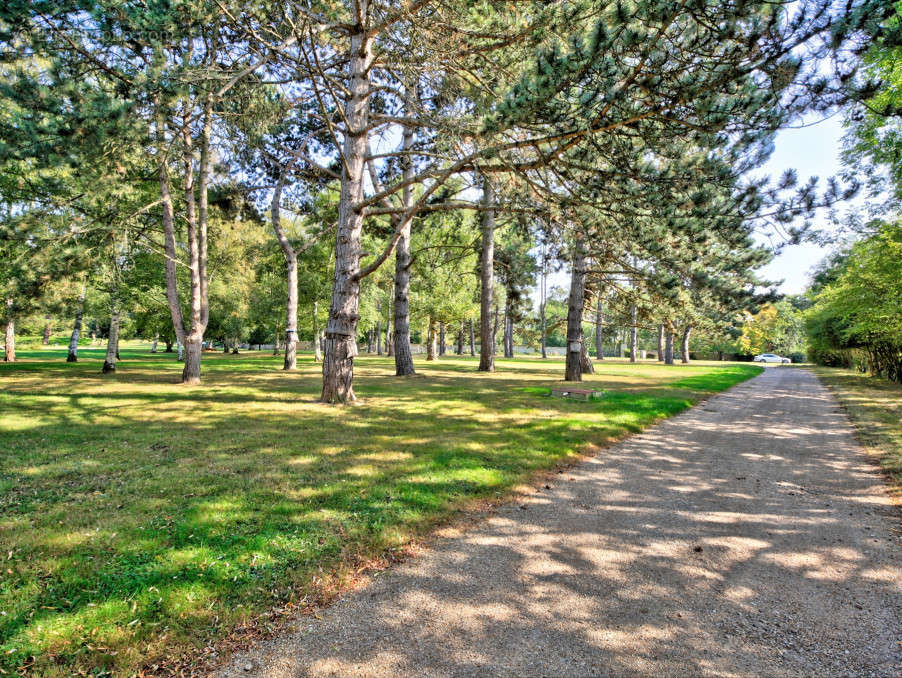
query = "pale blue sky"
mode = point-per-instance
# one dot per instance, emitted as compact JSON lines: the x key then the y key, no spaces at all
{"x":812,"y":151}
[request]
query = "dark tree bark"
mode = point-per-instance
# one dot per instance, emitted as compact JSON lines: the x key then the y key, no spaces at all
{"x":599,"y":329}
{"x":661,"y":343}
{"x":668,"y":347}
{"x":542,"y":304}
{"x":573,"y":370}
{"x":72,"y":357}
{"x":487,"y":279}
{"x":341,"y":329}
{"x":48,"y":329}
{"x":459,"y":349}
{"x":472,"y":339}
{"x":441,"y":338}
{"x":369,"y":340}
{"x":685,"y":347}
{"x":112,"y":344}
{"x":634,"y":335}
{"x":168,"y":342}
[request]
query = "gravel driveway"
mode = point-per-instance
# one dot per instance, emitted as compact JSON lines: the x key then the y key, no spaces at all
{"x":748,"y":536}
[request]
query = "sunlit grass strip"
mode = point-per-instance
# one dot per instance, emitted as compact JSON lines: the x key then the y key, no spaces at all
{"x":875,"y":407}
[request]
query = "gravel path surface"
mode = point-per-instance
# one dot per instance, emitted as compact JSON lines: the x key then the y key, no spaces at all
{"x":748,"y":536}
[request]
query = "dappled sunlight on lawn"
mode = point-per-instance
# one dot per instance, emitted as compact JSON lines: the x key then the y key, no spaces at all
{"x":220,"y":501}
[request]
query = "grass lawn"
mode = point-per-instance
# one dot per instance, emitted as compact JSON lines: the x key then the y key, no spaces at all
{"x":141,"y":520}
{"x":875,"y":407}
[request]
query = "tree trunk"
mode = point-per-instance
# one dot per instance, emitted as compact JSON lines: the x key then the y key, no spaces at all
{"x":45,"y":340}
{"x":441,"y":338}
{"x":487,"y":279}
{"x":430,"y":340}
{"x":181,"y":352}
{"x":196,"y":221}
{"x":668,"y":347}
{"x":661,"y":343}
{"x":168,"y":342}
{"x":585,"y":361}
{"x":369,"y":340}
{"x":542,"y":304}
{"x":459,"y":349}
{"x":599,"y":329}
{"x":494,"y":338}
{"x":389,"y":346}
{"x":508,"y":334}
{"x":401,"y":337}
{"x":112,"y":344}
{"x":291,"y":269}
{"x":634,"y":335}
{"x":156,"y":339}
{"x":686,"y":332}
{"x":9,"y":344}
{"x":76,"y":330}
{"x":573,"y":370}
{"x":317,"y":353}
{"x":472,"y":339}
{"x":341,"y":329}
{"x":379,"y":329}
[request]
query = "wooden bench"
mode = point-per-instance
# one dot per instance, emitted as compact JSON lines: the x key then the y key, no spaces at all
{"x":579,"y":393}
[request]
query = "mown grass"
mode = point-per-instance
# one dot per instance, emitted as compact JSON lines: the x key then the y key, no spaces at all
{"x":875,"y":407}
{"x":141,"y":519}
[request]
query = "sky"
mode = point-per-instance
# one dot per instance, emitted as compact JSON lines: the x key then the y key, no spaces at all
{"x":812,"y":150}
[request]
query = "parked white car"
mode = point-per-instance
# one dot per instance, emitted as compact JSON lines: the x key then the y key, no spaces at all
{"x":771,"y":358}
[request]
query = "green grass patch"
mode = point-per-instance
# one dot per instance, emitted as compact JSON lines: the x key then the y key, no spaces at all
{"x":142,"y":519}
{"x":875,"y":407}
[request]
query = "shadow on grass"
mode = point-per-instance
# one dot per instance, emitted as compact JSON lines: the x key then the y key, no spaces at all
{"x":143,"y":517}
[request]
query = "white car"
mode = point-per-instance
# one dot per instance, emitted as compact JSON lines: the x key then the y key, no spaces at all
{"x":771,"y":358}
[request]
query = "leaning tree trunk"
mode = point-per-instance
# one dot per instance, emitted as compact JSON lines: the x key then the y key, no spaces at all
{"x":9,"y":344}
{"x":472,"y":339}
{"x":668,"y":347}
{"x":45,"y":340}
{"x":573,"y":370}
{"x":112,"y":344}
{"x":599,"y":330}
{"x":661,"y":343}
{"x":487,"y":279}
{"x":72,"y":357}
{"x":341,"y":328}
{"x":685,"y":347}
{"x":634,"y":335}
